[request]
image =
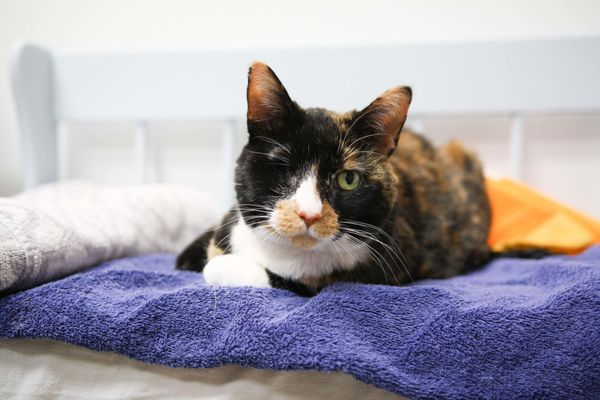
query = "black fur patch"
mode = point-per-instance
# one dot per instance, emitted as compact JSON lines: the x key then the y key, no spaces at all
{"x":193,"y":258}
{"x":300,"y":289}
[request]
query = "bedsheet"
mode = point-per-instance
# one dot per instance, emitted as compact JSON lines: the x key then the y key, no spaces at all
{"x":46,"y":369}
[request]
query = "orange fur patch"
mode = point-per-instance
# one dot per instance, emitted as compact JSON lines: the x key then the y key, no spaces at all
{"x":351,"y":162}
{"x":341,"y":120}
{"x":456,"y":153}
{"x":291,"y":225}
{"x":288,"y":221}
{"x":304,"y":241}
{"x":213,"y":250}
{"x":328,"y":225}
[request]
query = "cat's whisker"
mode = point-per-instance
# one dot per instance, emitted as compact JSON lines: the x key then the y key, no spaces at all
{"x":366,"y":136}
{"x":261,"y":209}
{"x":233,"y":221}
{"x":355,"y":121}
{"x":253,"y":207}
{"x":225,"y":239}
{"x":350,"y":249}
{"x":386,"y":247}
{"x":395,"y":252}
{"x":378,"y":229}
{"x":369,"y":152}
{"x":391,"y":252}
{"x":274,"y":142}
{"x":271,"y":234}
{"x":379,"y":260}
{"x":248,"y":213}
{"x":274,"y":156}
{"x":336,"y":247}
{"x":354,"y":236}
{"x":216,"y":228}
{"x":342,"y":143}
{"x":363,"y":248}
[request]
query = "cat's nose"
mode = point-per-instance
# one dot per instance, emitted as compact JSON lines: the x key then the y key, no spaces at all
{"x":309,"y":218}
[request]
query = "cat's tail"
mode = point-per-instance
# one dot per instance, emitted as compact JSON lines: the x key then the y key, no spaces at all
{"x":530,"y":253}
{"x":479,"y":260}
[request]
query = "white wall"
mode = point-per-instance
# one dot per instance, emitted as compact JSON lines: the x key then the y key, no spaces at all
{"x":564,"y":151}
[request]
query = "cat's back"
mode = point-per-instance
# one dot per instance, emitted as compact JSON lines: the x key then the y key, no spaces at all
{"x":442,"y":199}
{"x":449,"y":168}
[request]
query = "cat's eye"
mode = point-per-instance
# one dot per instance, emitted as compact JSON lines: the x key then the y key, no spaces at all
{"x":348,"y":180}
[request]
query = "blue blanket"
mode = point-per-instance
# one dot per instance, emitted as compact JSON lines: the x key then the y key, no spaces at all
{"x":515,"y":329}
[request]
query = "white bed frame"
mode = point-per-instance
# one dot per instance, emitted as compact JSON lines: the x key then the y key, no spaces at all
{"x":52,"y":87}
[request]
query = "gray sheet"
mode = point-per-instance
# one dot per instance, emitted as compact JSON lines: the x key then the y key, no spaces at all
{"x":44,"y":369}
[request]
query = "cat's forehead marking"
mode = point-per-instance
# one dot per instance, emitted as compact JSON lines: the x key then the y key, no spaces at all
{"x":341,"y":120}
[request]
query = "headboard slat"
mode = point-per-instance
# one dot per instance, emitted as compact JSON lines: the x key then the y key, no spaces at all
{"x":141,"y":151}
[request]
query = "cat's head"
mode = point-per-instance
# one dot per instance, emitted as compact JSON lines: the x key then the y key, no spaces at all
{"x":309,"y":176}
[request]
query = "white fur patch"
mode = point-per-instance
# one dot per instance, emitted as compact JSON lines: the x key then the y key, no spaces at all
{"x":307,"y":197}
{"x":233,"y":270}
{"x":283,"y":258}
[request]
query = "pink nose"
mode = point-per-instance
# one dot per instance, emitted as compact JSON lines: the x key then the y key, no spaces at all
{"x":309,"y":218}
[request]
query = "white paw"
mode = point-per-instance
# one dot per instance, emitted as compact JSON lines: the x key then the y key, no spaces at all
{"x":232,"y":270}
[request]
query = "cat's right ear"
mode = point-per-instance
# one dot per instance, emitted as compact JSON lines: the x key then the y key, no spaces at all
{"x":269,"y":105}
{"x":382,"y":121}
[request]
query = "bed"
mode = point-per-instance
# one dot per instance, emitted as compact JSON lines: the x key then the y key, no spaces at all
{"x":497,"y":333}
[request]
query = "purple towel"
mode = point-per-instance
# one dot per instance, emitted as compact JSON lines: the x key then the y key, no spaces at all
{"x":516,"y":329}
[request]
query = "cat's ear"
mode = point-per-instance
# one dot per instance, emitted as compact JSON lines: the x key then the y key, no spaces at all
{"x":269,"y":105}
{"x":381,"y":122}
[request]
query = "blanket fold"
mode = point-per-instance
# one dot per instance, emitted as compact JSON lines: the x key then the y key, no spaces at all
{"x":515,"y":329}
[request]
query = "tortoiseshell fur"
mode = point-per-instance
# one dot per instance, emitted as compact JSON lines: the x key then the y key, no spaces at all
{"x":425,"y":210}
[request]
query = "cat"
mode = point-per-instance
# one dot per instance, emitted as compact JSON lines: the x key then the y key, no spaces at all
{"x":324,"y":197}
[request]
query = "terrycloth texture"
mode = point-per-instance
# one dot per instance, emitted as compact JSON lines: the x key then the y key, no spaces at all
{"x":516,"y":329}
{"x":61,"y":228}
{"x":524,"y":218}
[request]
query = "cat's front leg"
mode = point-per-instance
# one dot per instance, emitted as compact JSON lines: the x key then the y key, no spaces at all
{"x":233,"y":270}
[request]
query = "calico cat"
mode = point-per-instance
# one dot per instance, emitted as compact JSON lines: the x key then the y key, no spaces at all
{"x":325,"y":197}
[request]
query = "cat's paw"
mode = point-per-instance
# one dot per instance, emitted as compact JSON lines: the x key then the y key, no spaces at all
{"x":232,"y":270}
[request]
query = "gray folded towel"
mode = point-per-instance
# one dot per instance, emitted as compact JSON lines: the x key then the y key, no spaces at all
{"x":57,"y":229}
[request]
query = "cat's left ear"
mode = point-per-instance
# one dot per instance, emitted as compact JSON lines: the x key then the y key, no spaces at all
{"x":381,"y":122}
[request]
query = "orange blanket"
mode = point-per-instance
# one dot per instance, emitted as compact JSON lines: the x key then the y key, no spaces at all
{"x":524,"y":218}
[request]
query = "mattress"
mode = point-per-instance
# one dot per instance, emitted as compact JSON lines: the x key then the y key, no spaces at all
{"x":46,"y":369}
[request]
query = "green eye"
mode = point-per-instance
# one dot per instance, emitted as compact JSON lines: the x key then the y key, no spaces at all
{"x":348,"y":180}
